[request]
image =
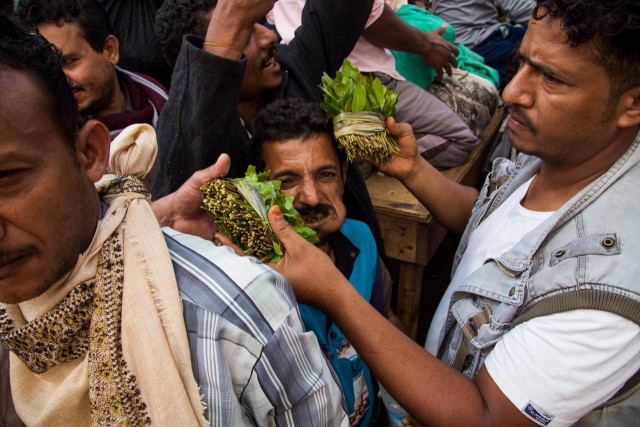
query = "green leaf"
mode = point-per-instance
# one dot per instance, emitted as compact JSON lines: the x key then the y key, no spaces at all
{"x":341,"y":89}
{"x":359,"y":98}
{"x":378,"y":90}
{"x":352,"y":91}
{"x":331,"y":109}
{"x":307,"y":233}
{"x":350,"y":70}
{"x":277,"y":248}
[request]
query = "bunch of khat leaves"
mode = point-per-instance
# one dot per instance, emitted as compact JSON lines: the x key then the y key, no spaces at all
{"x":239,"y":208}
{"x":359,"y":106}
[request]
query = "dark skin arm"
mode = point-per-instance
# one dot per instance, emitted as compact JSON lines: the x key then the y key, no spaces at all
{"x":434,"y":393}
{"x":391,"y":32}
{"x":231,"y":23}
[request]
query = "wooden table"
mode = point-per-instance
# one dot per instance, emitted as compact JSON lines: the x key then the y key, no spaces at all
{"x":411,"y":235}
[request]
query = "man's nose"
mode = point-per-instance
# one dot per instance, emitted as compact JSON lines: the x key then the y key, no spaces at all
{"x":308,"y":194}
{"x":521,"y":88}
{"x":264,"y":35}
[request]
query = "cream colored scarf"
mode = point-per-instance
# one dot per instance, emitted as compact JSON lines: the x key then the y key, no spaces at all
{"x":107,"y":344}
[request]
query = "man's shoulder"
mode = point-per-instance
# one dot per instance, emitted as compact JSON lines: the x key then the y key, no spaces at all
{"x":140,"y":79}
{"x":238,"y":289}
{"x":355,"y":224}
{"x":355,"y":229}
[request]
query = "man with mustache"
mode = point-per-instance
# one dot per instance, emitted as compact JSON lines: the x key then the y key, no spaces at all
{"x":540,"y":324}
{"x":111,"y":320}
{"x":104,"y":91}
{"x":293,"y":139}
{"x":227,"y":69}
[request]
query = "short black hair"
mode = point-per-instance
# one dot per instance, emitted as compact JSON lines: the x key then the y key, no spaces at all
{"x":177,"y":18}
{"x":286,"y":119}
{"x":29,"y":52}
{"x":87,"y":14}
{"x":614,"y":25}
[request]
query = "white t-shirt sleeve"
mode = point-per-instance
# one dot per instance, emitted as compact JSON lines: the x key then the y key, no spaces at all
{"x":565,"y":364}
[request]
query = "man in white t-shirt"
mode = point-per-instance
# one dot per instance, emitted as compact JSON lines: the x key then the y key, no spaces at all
{"x":540,"y":322}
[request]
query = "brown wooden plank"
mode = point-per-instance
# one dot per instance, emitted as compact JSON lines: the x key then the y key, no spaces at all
{"x":390,"y":196}
{"x":409,"y":291}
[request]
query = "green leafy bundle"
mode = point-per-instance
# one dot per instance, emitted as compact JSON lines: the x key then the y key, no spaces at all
{"x":239,"y":208}
{"x":359,"y":106}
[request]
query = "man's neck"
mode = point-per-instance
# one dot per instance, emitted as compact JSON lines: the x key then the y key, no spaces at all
{"x":248,"y":110}
{"x":557,"y":184}
{"x":119,"y":102}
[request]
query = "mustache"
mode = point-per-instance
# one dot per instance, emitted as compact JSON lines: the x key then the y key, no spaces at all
{"x":272,"y":51}
{"x":317,"y":210}
{"x":8,"y":255}
{"x":75,"y":86}
{"x":520,"y":116}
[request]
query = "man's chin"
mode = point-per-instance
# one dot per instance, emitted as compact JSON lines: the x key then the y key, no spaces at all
{"x":324,"y":229}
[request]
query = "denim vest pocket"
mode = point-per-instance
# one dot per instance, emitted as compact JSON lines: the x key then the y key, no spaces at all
{"x":486,"y":301}
{"x":593,"y":244}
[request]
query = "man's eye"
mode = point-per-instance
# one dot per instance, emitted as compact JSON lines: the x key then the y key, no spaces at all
{"x":327,"y":175}
{"x":287,"y":183}
{"x":550,"y":79}
{"x":7,"y":173}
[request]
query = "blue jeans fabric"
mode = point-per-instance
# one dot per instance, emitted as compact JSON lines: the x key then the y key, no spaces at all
{"x":496,"y":49}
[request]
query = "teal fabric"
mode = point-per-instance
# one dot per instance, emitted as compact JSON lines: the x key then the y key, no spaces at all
{"x":472,"y":62}
{"x":347,"y":364}
{"x":412,"y":67}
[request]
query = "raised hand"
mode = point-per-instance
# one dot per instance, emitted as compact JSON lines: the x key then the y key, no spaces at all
{"x":404,"y":164}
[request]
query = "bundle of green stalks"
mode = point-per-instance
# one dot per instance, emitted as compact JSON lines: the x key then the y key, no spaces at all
{"x":239,"y":208}
{"x":359,"y":106}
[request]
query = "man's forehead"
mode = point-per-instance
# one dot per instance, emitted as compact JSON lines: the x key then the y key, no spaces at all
{"x":545,"y":44}
{"x":25,"y":119}
{"x":316,"y":148}
{"x":64,"y":35}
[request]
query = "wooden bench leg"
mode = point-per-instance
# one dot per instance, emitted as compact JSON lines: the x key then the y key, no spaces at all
{"x":409,"y":291}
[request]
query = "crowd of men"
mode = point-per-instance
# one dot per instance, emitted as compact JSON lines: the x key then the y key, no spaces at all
{"x":122,"y":304}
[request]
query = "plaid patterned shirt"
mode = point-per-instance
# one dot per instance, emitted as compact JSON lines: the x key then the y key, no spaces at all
{"x":250,"y":356}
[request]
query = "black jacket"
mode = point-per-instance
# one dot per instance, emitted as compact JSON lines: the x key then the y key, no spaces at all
{"x":200,"y":121}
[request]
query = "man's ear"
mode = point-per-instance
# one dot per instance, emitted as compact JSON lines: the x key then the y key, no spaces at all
{"x":111,"y":49}
{"x":629,"y":107}
{"x":345,"y":165}
{"x":92,"y":149}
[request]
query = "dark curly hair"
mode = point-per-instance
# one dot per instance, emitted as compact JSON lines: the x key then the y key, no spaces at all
{"x":614,"y":25}
{"x":31,"y":53}
{"x":177,"y":18}
{"x":286,"y":119}
{"x":87,"y":14}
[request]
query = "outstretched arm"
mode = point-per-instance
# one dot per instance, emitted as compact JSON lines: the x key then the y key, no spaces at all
{"x":391,"y":32}
{"x":431,"y":391}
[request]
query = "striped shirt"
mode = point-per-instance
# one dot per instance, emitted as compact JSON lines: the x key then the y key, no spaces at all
{"x":251,"y":357}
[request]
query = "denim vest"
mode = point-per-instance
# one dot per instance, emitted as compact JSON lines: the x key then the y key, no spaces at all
{"x":584,"y":256}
